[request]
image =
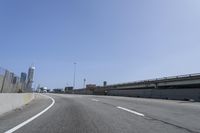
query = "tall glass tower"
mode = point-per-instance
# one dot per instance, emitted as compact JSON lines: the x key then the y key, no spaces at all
{"x":31,"y":71}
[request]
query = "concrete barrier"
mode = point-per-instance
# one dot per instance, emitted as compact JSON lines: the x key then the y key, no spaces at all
{"x":173,"y":94}
{"x":11,"y":101}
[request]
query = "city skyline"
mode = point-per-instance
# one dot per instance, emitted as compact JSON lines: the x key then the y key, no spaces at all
{"x":111,"y":41}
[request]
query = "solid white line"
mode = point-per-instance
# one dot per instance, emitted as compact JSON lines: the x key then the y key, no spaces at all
{"x":131,"y":111}
{"x":32,"y":118}
{"x":95,"y":100}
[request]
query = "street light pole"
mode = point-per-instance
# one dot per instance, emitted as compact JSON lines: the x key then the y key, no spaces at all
{"x":84,"y":81}
{"x":74,"y":75}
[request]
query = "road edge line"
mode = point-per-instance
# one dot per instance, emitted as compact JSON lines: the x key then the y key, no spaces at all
{"x":32,"y":118}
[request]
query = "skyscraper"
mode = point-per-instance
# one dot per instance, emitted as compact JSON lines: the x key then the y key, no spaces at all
{"x":23,"y":77}
{"x":23,"y":81}
{"x":30,"y":78}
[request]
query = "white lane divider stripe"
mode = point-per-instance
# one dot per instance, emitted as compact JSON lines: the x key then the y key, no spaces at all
{"x":131,"y":111}
{"x":32,"y":118}
{"x":95,"y":100}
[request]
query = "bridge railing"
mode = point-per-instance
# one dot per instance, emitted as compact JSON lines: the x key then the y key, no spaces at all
{"x":160,"y":79}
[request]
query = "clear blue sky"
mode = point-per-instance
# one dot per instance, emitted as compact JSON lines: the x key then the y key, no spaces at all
{"x":112,"y":40}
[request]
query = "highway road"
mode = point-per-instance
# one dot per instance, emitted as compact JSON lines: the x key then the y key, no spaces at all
{"x":63,"y":113}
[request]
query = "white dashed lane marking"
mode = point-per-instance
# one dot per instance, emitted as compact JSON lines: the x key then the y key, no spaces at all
{"x":95,"y":100}
{"x":130,"y":111}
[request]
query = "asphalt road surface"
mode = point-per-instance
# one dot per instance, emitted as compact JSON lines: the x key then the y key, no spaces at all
{"x":102,"y":114}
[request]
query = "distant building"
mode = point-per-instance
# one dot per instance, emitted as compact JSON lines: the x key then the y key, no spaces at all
{"x":43,"y":89}
{"x":23,"y":77}
{"x":69,"y":88}
{"x":23,"y":81}
{"x":88,"y":86}
{"x":105,"y":83}
{"x":58,"y":90}
{"x":91,"y":87}
{"x":12,"y":75}
{"x":15,"y":80}
{"x":31,"y":71}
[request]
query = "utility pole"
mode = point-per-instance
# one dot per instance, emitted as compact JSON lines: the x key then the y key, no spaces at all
{"x":74,"y":75}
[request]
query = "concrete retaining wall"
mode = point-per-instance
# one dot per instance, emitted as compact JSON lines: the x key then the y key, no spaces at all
{"x":175,"y":94}
{"x":11,"y":101}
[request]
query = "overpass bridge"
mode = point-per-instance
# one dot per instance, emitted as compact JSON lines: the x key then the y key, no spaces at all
{"x":182,"y":87}
{"x":190,"y":80}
